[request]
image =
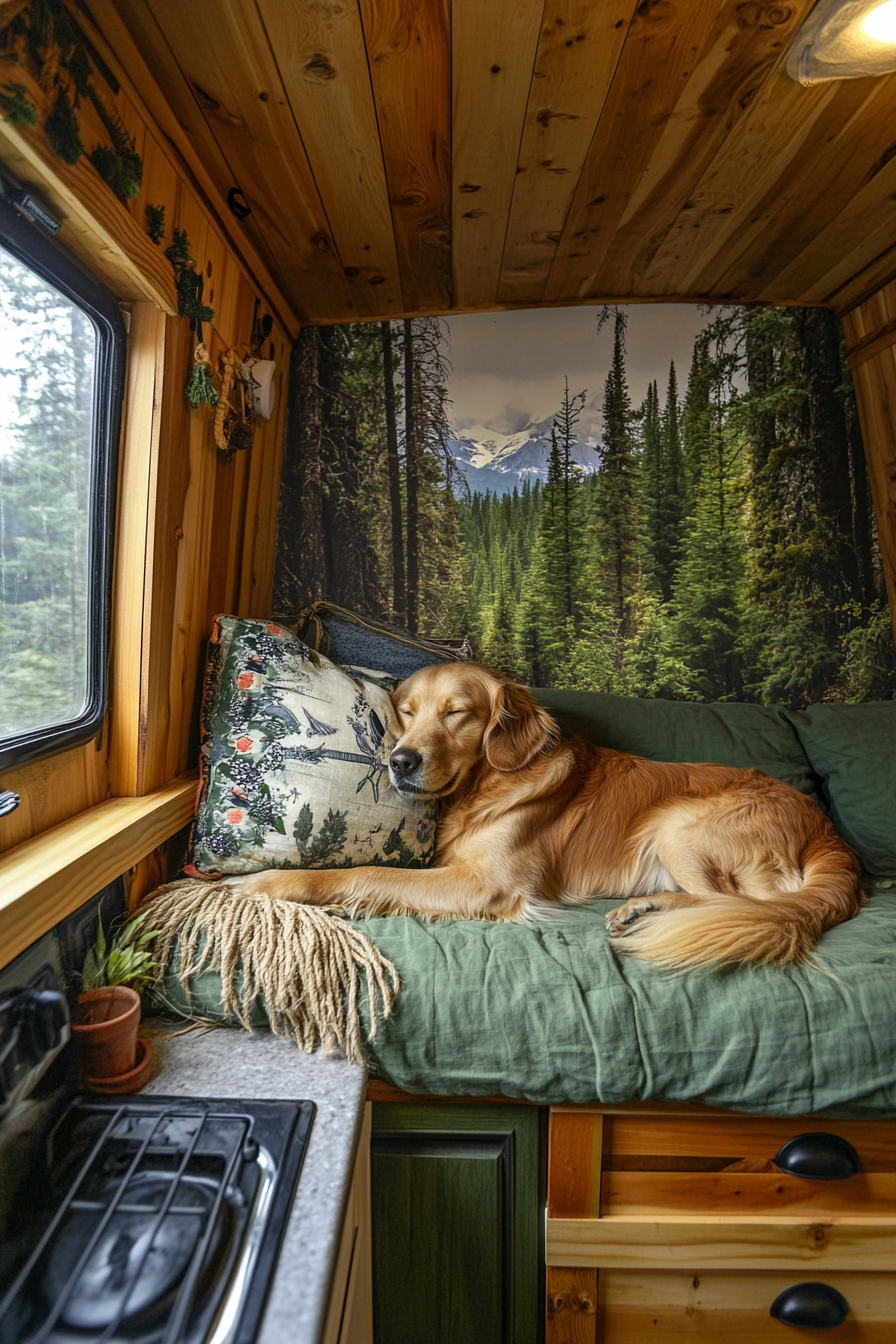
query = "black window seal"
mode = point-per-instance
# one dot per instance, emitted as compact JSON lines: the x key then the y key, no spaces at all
{"x":49,"y":259}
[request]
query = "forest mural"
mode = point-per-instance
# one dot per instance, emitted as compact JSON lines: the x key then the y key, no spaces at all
{"x":712,"y":539}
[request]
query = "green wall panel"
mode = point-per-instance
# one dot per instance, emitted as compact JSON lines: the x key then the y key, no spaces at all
{"x":456,"y":1207}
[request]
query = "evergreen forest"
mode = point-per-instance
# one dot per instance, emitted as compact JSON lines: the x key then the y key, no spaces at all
{"x":46,"y":465}
{"x":725,"y":549}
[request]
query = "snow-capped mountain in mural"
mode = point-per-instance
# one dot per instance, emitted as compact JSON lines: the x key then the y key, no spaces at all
{"x":498,"y":462}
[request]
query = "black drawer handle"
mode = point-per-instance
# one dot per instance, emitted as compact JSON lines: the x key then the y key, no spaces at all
{"x":819,"y":1157}
{"x":814,"y":1306}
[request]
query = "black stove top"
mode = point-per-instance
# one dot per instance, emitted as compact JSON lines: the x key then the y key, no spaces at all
{"x":152,"y":1221}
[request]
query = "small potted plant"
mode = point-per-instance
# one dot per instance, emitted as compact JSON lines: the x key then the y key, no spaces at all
{"x":111,"y":1057}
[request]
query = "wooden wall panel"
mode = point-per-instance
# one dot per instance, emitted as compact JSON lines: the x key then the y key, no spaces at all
{"x":137,"y":496}
{"x":493,"y":53}
{"x":54,"y":789}
{"x":571,"y":1306}
{"x":175,"y":515}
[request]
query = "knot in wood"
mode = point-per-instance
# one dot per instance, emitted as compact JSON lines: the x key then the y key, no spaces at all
{"x":319,"y":67}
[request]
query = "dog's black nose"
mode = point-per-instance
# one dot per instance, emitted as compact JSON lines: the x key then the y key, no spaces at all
{"x":404,"y":761}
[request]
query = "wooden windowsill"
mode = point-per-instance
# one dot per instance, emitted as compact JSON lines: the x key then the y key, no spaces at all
{"x":44,"y":879}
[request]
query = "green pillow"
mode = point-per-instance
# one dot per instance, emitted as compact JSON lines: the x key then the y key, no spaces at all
{"x":853,"y":749}
{"x":293,"y":767}
{"x":749,"y":736}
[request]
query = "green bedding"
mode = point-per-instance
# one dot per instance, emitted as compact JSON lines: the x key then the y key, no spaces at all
{"x":553,"y":1013}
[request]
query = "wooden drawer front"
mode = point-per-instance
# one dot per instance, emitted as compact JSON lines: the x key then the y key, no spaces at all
{"x":714,"y":1143}
{"x":608,"y":1165}
{"x":729,"y":1308}
{"x":626,"y":1191}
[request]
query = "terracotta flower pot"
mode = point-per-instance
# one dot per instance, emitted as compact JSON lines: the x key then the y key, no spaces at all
{"x":105,"y":1031}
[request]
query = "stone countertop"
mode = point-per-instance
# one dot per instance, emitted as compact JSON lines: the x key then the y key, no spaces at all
{"x":226,"y":1062}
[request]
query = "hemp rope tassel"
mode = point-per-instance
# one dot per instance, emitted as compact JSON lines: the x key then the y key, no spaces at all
{"x":303,"y":961}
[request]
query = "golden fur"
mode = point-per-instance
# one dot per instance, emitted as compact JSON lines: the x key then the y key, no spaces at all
{"x":718,"y":864}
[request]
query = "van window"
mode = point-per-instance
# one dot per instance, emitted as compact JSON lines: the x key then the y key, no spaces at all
{"x":61,"y":343}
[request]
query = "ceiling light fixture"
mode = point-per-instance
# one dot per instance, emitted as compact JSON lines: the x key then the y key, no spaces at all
{"x":844,"y":39}
{"x":881,"y":22}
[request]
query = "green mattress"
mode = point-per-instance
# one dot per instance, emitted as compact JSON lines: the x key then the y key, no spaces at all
{"x":553,"y":1013}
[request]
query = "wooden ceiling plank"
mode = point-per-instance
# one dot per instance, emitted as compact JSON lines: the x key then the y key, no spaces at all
{"x":850,"y":238}
{"x":752,"y":160}
{"x":227,"y":73}
{"x":320,"y":51}
{"x":493,"y":50}
{"x":410,"y":69}
{"x":578,"y":50}
{"x":740,"y":57}
{"x":860,"y":271}
{"x":850,"y":146}
{"x":861,"y":287}
{"x":662,"y":45}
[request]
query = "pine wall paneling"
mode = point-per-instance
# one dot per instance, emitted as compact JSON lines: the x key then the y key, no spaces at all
{"x":184,"y":515}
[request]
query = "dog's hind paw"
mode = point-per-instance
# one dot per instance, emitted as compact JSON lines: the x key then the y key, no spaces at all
{"x":622,"y":918}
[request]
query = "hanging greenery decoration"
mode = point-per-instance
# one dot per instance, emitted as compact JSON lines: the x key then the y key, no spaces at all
{"x":199,"y":390}
{"x":189,"y":283}
{"x":45,"y":36}
{"x":120,"y":167}
{"x":16,"y":106}
{"x":155,"y":223}
{"x":178,"y":253}
{"x":122,"y":172}
{"x":62,"y":128}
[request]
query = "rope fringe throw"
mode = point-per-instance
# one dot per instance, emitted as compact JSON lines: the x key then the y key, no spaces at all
{"x":302,"y":961}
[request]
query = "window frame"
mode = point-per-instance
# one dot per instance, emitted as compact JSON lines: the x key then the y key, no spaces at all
{"x":50,"y":260}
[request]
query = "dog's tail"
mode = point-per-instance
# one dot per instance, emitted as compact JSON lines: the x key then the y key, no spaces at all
{"x":742,"y":929}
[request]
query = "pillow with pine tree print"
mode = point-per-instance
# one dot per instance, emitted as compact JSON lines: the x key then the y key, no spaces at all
{"x":294,"y":762}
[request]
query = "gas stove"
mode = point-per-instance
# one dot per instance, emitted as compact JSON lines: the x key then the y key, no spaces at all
{"x":155,"y":1220}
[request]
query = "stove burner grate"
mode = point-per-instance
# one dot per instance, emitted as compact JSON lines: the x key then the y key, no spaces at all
{"x":158,"y":1211}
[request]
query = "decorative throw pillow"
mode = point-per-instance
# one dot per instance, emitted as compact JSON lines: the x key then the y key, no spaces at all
{"x":358,"y":641}
{"x":294,"y":753}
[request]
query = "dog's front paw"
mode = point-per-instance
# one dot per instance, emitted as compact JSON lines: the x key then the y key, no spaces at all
{"x":619,"y":920}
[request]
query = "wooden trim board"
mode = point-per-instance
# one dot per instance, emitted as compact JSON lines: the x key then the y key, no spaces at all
{"x":718,"y":1242}
{"x":44,"y":879}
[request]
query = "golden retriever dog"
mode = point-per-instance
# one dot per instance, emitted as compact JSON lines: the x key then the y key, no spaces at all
{"x":714,"y":864}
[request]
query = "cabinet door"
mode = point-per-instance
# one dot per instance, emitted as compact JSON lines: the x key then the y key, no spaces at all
{"x":456,"y":1206}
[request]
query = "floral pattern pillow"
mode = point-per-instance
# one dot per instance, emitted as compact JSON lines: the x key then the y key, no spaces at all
{"x":294,"y":753}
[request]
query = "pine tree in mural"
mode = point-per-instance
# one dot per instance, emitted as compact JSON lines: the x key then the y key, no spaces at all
{"x":670,"y":494}
{"x":616,"y":509}
{"x":399,"y":590}
{"x":708,"y":589}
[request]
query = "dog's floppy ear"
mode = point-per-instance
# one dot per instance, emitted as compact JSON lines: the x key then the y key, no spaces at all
{"x":518,"y":729}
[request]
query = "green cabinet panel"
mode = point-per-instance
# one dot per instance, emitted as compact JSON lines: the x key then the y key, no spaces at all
{"x":457,"y":1206}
